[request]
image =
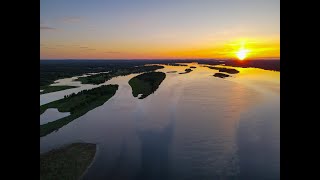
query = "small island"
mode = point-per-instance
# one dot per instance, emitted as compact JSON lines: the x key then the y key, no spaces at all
{"x":146,"y":83}
{"x":103,"y":77}
{"x":176,"y":64}
{"x":186,"y":71}
{"x":49,"y":89}
{"x":77,"y":104}
{"x":193,"y":67}
{"x":226,"y":70}
{"x":221,"y":75}
{"x":69,"y":162}
{"x":171,"y":71}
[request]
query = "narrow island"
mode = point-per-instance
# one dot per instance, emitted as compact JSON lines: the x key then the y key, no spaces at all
{"x":186,"y":71}
{"x":193,"y":67}
{"x":226,"y":70}
{"x":49,"y":89}
{"x":175,"y":64}
{"x":103,"y":77}
{"x":69,"y":162}
{"x":171,"y":71}
{"x":77,"y":104}
{"x":146,"y":83}
{"x":221,"y":75}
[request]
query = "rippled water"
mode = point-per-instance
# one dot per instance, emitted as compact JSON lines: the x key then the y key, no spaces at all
{"x":195,"y":126}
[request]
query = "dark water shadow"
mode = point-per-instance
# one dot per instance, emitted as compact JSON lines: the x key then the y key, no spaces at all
{"x":155,"y":161}
{"x":259,"y":146}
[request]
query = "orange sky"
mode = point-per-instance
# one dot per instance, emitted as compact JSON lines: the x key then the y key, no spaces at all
{"x":154,"y":30}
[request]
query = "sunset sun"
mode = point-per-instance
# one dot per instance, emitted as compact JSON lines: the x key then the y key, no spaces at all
{"x":242,"y":54}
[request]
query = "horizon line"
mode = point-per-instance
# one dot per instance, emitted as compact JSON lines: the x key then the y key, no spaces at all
{"x":45,"y":59}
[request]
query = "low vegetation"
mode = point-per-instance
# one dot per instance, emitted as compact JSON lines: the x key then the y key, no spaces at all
{"x":66,"y":163}
{"x":146,"y":83}
{"x":49,"y":89}
{"x":77,"y":104}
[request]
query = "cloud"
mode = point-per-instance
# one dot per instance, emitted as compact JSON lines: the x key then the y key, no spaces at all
{"x":84,"y":47}
{"x":91,"y":49}
{"x":113,"y":52}
{"x":46,"y":28}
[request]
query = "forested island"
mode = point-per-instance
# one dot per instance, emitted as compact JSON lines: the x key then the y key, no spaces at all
{"x":48,"y":89}
{"x":77,"y":104}
{"x":102,"y":77}
{"x":69,"y":162}
{"x":186,"y":71}
{"x":146,"y":83}
{"x":175,"y":64}
{"x":221,"y":75}
{"x":222,"y":69}
{"x":273,"y":65}
{"x":51,"y":70}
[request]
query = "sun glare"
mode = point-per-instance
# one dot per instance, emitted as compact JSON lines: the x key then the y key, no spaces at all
{"x":242,"y":54}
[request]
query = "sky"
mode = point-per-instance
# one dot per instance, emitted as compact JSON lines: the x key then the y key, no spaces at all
{"x":159,"y":29}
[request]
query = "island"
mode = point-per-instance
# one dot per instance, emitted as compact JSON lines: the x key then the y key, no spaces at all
{"x":69,"y":162}
{"x":186,"y":71}
{"x":221,"y":75}
{"x":193,"y":67}
{"x":146,"y":83}
{"x":77,"y":104}
{"x":266,"y":64}
{"x":171,"y":71}
{"x":226,"y":70}
{"x":175,"y":64}
{"x":103,"y":77}
{"x":49,"y":89}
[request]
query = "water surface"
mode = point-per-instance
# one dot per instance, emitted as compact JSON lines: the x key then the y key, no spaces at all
{"x":195,"y":126}
{"x":52,"y":114}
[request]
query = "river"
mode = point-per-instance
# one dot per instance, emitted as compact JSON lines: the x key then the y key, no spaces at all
{"x":194,"y":126}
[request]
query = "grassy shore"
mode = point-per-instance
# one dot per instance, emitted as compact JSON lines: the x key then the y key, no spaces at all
{"x":77,"y":104}
{"x":48,"y":89}
{"x":67,"y":163}
{"x":146,"y":83}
